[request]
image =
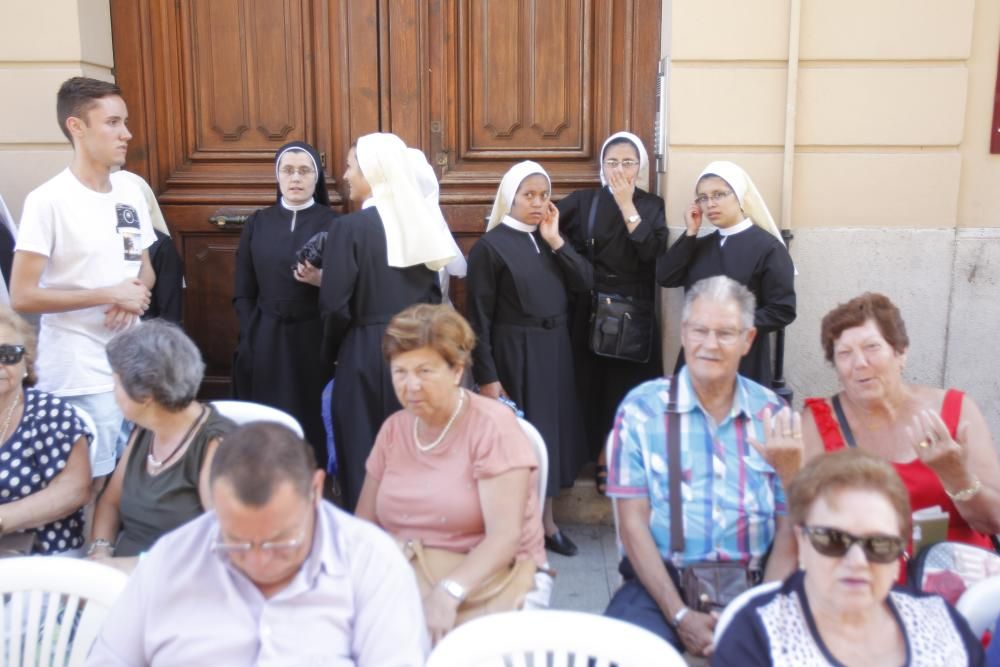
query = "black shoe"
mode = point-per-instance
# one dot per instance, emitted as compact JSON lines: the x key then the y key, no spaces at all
{"x":560,"y":544}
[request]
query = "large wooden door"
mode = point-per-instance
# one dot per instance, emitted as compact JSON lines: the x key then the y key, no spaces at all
{"x":215,"y":86}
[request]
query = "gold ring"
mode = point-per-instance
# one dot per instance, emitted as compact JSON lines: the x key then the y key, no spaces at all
{"x":924,"y":444}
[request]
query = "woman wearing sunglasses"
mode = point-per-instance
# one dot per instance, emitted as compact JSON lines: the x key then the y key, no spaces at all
{"x":852,"y":516}
{"x":44,"y":462}
{"x":745,"y":246}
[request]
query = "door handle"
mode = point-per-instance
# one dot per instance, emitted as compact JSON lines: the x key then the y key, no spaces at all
{"x":223,"y":221}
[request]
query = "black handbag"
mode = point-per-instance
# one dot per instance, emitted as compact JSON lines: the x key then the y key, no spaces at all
{"x":621,"y":327}
{"x":312,"y":251}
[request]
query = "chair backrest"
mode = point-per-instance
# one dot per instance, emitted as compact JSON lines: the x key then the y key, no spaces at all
{"x":738,"y":603}
{"x":543,"y":456}
{"x":53,"y":608}
{"x":244,"y":412}
{"x":88,"y":421}
{"x":554,"y":638}
{"x":980,"y":605}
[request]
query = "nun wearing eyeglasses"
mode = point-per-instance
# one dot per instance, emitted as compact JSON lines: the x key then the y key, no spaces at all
{"x":277,"y":359}
{"x":852,"y":524}
{"x":621,"y":229}
{"x":376,"y":262}
{"x":520,"y":275}
{"x":745,"y":245}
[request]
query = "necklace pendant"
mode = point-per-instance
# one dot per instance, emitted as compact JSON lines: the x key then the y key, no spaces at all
{"x":151,"y":460}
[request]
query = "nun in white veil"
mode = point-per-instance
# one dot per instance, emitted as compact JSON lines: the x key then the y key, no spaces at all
{"x":376,"y":262}
{"x":620,"y":228}
{"x":520,"y":275}
{"x":745,"y":245}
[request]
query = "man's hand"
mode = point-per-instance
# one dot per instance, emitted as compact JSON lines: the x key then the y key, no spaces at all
{"x":696,"y":630}
{"x":131,"y":295}
{"x":119,"y":319}
{"x":783,"y":448}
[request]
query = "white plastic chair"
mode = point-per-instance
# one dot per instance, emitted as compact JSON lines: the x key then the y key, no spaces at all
{"x":980,"y":605}
{"x":543,"y":455}
{"x":244,"y":412}
{"x":738,"y":603}
{"x":553,"y":638}
{"x":53,"y":608}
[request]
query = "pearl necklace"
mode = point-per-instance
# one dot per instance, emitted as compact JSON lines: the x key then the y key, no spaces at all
{"x":437,"y":441}
{"x":7,"y":417}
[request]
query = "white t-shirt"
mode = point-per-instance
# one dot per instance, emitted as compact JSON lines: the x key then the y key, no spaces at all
{"x":92,"y":240}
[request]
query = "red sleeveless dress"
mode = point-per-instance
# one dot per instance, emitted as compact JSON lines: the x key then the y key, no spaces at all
{"x":922,"y":483}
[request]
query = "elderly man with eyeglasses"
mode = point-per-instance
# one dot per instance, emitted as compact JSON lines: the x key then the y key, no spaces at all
{"x":720,"y":447}
{"x":273,"y":576}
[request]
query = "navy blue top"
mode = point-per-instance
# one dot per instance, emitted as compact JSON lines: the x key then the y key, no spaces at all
{"x":778,"y":628}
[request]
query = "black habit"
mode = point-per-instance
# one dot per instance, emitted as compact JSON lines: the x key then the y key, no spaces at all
{"x":624,"y":263}
{"x":517,"y":303}
{"x":752,"y":257}
{"x":277,"y":360}
{"x":359,"y":295}
{"x":167,"y":298}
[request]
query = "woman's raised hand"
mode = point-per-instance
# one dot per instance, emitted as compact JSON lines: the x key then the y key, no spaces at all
{"x":307,"y":273}
{"x":783,"y":447}
{"x":692,"y":219}
{"x":549,"y":226}
{"x":622,"y":187}
{"x":935,"y":447}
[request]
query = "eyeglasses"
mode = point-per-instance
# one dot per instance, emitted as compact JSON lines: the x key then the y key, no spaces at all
{"x":614,"y":164}
{"x":11,"y":354}
{"x":715,"y":197}
{"x":289,"y":171}
{"x":836,"y":543}
{"x":699,"y":334}
{"x":279,"y":548}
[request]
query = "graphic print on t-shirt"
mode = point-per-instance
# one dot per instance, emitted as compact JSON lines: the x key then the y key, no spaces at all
{"x":128,"y":228}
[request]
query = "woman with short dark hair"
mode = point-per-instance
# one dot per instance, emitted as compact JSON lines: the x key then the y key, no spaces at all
{"x":162,"y":478}
{"x":852,"y":516}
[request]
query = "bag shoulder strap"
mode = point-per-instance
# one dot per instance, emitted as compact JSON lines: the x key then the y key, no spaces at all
{"x":951,"y":410}
{"x":845,"y":428}
{"x":673,"y":419}
{"x":591,"y":218}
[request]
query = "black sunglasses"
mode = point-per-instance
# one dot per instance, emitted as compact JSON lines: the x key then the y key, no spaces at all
{"x":836,"y":543}
{"x":11,"y":354}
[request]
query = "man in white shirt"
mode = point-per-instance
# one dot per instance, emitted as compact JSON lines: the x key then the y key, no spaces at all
{"x":81,"y":259}
{"x":274,"y":575}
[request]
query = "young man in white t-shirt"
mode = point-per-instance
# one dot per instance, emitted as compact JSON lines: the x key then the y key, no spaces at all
{"x":81,"y":259}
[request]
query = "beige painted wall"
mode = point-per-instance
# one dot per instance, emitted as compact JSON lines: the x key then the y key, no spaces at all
{"x":894,"y":188}
{"x":41,"y":45}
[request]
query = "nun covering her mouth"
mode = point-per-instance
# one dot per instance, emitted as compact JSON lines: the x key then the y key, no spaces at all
{"x":376,"y":262}
{"x":628,"y":233}
{"x":520,"y":273}
{"x":746,"y":246}
{"x":280,"y":326}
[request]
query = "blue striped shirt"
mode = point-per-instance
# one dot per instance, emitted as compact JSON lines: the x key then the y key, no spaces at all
{"x":730,"y":494}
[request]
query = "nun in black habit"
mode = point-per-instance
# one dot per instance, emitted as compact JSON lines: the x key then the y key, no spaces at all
{"x":745,"y":246}
{"x":277,"y":360}
{"x":621,"y":229}
{"x":377,"y":261}
{"x":518,"y":277}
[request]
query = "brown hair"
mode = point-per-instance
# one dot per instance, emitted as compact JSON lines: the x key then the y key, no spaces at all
{"x":869,"y":306}
{"x":77,"y":96}
{"x":256,"y":458}
{"x":26,"y":333}
{"x":439,"y":327}
{"x":848,"y":469}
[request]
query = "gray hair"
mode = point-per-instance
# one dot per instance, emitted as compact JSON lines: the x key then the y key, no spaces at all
{"x":157,"y":360}
{"x":721,"y":289}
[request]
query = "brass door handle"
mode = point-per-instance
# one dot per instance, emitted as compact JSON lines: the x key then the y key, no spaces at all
{"x":223,"y":221}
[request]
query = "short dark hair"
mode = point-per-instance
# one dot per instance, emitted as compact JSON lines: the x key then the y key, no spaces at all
{"x":869,"y":306}
{"x":257,"y":457}
{"x":77,"y":96}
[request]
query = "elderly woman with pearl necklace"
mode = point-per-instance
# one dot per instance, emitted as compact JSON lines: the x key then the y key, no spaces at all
{"x":452,"y":469}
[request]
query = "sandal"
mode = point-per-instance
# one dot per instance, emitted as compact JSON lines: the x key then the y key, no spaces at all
{"x":601,"y":478}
